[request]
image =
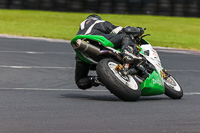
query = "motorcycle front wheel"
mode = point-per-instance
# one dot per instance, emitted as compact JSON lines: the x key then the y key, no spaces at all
{"x":172,"y":88}
{"x":125,"y":88}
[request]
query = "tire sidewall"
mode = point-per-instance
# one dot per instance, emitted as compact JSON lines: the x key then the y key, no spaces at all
{"x":172,"y":93}
{"x":115,"y":85}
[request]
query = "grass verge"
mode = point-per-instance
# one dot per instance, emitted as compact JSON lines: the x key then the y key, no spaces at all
{"x":177,"y":32}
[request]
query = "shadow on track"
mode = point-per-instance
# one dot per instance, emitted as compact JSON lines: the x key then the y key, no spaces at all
{"x":90,"y":97}
{"x":111,"y":97}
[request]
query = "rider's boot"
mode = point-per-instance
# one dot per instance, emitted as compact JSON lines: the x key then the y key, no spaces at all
{"x":95,"y":82}
{"x":88,"y":82}
{"x":129,"y":50}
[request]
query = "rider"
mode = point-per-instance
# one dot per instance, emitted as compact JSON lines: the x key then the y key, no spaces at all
{"x":94,"y":25}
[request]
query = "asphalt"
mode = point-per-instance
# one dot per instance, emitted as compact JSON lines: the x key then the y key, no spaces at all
{"x":38,"y":94}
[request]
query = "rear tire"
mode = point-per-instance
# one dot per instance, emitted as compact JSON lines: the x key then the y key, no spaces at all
{"x":172,"y":88}
{"x":124,"y":87}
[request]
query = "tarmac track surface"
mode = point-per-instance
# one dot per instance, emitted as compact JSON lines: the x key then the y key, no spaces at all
{"x":38,"y":94}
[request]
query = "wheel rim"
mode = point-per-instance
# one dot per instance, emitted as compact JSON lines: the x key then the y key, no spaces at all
{"x":171,"y":82}
{"x":127,"y":80}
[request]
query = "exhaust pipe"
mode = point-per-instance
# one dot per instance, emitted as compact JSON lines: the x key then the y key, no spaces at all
{"x":86,"y":48}
{"x":111,"y":54}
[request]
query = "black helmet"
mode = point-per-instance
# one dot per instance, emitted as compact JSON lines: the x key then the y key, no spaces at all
{"x":94,"y":17}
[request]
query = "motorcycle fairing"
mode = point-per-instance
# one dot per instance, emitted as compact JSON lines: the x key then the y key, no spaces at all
{"x":153,"y":85}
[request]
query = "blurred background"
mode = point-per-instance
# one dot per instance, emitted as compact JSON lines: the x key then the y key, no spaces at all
{"x":183,"y":8}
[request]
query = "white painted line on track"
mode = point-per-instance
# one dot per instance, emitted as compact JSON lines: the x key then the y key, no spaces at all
{"x":51,"y":89}
{"x":174,"y":50}
{"x":48,"y":67}
{"x":76,"y":90}
{"x":163,"y":49}
{"x":33,"y":52}
{"x":184,"y":70}
{"x":35,"y":67}
{"x":192,"y":93}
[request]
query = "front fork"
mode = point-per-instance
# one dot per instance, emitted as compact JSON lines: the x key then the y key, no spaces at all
{"x":164,"y":74}
{"x":124,"y":69}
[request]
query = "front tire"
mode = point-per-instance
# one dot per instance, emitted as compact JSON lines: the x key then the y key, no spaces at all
{"x":124,"y":87}
{"x":172,"y":88}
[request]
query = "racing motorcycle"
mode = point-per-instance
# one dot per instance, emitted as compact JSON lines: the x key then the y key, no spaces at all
{"x":145,"y":76}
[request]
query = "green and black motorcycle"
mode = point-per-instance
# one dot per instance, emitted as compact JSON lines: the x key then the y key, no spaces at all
{"x":143,"y":77}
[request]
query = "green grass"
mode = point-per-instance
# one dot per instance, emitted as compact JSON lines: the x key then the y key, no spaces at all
{"x":178,"y":32}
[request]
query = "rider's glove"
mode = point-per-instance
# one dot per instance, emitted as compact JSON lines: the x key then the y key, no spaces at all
{"x":130,"y":53}
{"x":131,"y":30}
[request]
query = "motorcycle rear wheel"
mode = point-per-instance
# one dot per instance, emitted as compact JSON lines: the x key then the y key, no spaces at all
{"x":172,"y":88}
{"x":125,"y":88}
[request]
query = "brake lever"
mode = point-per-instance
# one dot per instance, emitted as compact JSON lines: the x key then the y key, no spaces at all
{"x":145,"y":35}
